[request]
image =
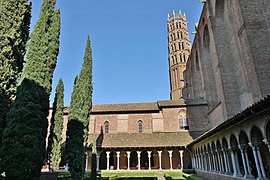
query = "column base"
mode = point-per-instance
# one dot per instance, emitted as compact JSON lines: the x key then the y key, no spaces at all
{"x":237,"y":175}
{"x":249,"y":177}
{"x":228,"y":173}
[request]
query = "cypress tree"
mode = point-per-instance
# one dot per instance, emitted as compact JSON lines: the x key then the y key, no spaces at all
{"x":44,"y":47}
{"x":81,"y":104}
{"x":55,"y":139}
{"x":24,"y":138}
{"x":81,"y":99}
{"x":15,"y":16}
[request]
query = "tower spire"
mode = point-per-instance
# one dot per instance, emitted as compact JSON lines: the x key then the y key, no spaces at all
{"x":179,"y":45}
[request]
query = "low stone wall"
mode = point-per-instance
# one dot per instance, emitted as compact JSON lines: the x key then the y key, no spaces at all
{"x":48,"y":176}
{"x":215,"y":176}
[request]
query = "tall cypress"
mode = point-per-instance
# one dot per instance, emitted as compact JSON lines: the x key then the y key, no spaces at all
{"x":44,"y":47}
{"x":56,"y":126}
{"x":24,"y":138}
{"x":81,"y":99}
{"x":81,"y":104}
{"x":15,"y":16}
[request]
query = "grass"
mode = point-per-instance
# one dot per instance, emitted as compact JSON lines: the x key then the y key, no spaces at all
{"x":173,"y":175}
{"x":126,"y":175}
{"x":179,"y":176}
{"x":66,"y":175}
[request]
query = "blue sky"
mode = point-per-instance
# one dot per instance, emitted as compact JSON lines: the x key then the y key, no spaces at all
{"x":129,"y":44}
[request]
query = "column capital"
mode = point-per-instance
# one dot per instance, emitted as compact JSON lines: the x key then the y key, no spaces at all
{"x":128,"y":153}
{"x":139,"y":153}
{"x":108,"y":154}
{"x":149,"y":153}
{"x":266,"y":142}
{"x":117,"y":153}
{"x":159,"y":153}
{"x":243,"y":147}
{"x":170,"y":153}
{"x":181,"y":152}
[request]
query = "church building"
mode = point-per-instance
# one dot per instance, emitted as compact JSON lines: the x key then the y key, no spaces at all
{"x":217,"y":122}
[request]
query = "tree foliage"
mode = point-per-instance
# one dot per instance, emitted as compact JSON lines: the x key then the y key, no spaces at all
{"x":75,"y":149}
{"x":81,"y":99}
{"x":81,"y":104}
{"x":24,"y":138}
{"x":15,"y":16}
{"x":55,"y":140}
{"x":44,"y":46}
{"x":23,"y":150}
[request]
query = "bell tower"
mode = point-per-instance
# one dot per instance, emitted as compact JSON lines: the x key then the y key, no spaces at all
{"x":178,"y":50}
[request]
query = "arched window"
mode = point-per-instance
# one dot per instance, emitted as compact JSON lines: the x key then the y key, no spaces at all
{"x":183,"y":122}
{"x":106,"y":127}
{"x":140,"y":126}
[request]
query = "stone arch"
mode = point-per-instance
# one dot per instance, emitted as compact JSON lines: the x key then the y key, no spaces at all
{"x":243,"y":138}
{"x":262,"y":150}
{"x":208,"y":72}
{"x":256,"y":136}
{"x":225,"y":144}
{"x":233,"y":142}
{"x":102,"y":160}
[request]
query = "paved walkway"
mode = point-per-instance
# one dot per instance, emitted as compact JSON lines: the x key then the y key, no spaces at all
{"x":161,"y":176}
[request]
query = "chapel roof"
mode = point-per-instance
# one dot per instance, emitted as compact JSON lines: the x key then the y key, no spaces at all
{"x":142,"y":140}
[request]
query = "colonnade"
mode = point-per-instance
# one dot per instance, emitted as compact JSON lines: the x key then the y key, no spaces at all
{"x":138,"y":166}
{"x":249,"y":160}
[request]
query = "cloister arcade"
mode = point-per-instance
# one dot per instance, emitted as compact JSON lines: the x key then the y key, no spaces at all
{"x":239,"y":151}
{"x":142,"y":159}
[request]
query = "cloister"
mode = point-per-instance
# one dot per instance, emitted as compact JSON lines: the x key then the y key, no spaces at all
{"x":142,"y":159}
{"x":238,"y":148}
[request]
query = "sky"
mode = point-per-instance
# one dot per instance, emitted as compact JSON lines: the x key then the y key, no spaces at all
{"x":129,"y":46}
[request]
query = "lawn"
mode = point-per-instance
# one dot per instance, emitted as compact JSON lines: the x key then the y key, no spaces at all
{"x":126,"y":175}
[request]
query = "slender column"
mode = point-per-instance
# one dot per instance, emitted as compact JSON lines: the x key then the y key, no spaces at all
{"x":247,"y":161}
{"x":219,"y":161}
{"x":170,"y":156}
{"x":256,"y":161}
{"x":159,"y":156}
{"x":97,"y":162}
{"x":128,"y":159}
{"x":181,"y":159}
{"x":149,"y":159}
{"x":209,"y":160}
{"x":227,"y":158}
{"x":225,"y":161}
{"x":118,"y":157}
{"x":214,"y":161}
{"x":139,"y":159}
{"x":222,"y":162}
{"x":260,"y":162}
{"x":86,"y":161}
{"x":108,"y":159}
{"x":243,"y":160}
{"x":237,"y":164}
{"x":199,"y":161}
{"x":233,"y":163}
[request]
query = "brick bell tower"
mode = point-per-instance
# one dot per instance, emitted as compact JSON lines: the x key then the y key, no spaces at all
{"x":178,"y":50}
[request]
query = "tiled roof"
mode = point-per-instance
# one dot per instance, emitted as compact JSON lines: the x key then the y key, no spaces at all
{"x":128,"y":107}
{"x":141,"y":107}
{"x":126,"y":140}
